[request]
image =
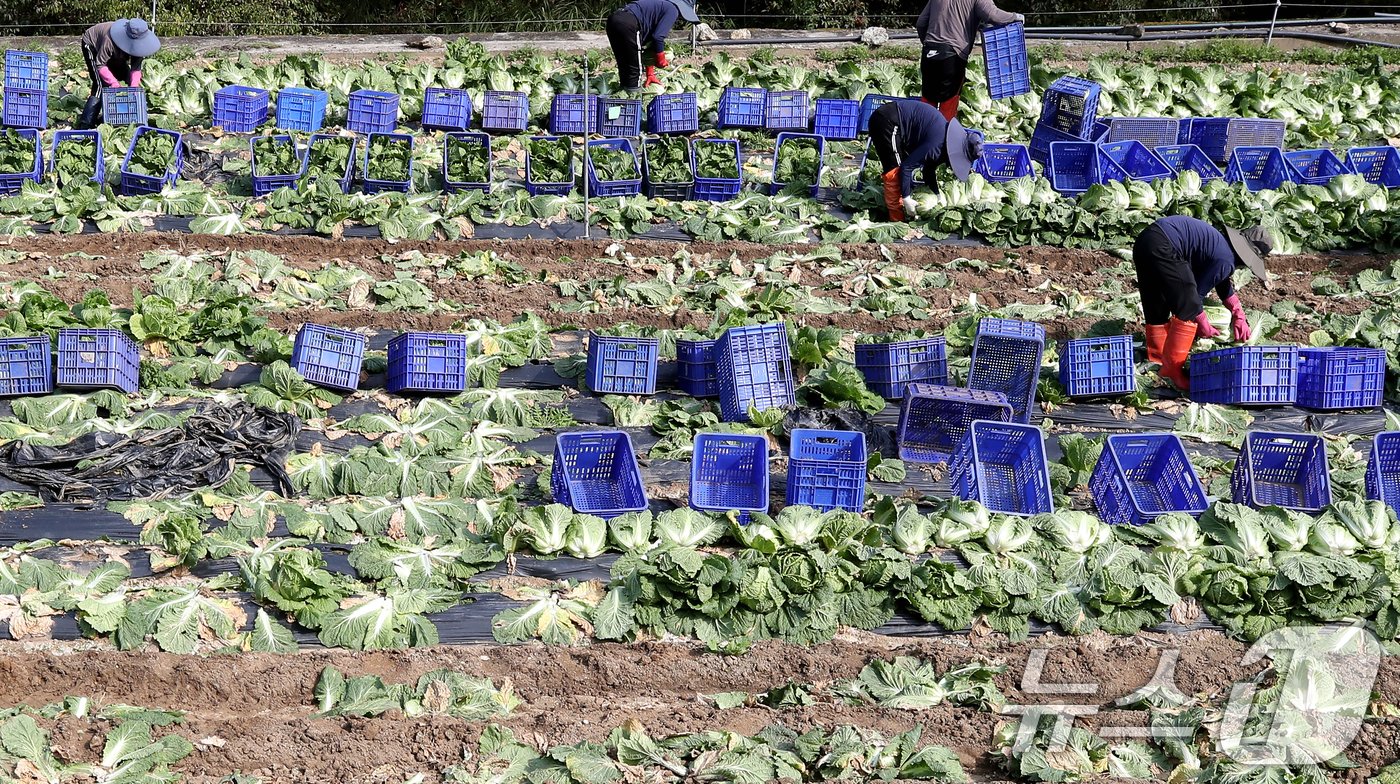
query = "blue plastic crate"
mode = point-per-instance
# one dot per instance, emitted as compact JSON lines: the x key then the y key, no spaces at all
{"x":1140,"y":477}
{"x":97,"y":359}
{"x":504,"y":112}
{"x":826,"y":470}
{"x":742,"y":107}
{"x":1246,"y":376}
{"x":596,"y":473}
{"x":775,"y":186}
{"x":890,"y":367}
{"x":1004,"y":162}
{"x":25,"y":108}
{"x":1008,"y":67}
{"x":1002,"y":466}
{"x":870,"y":103}
{"x":1335,"y":378}
{"x":1314,"y":167}
{"x":619,"y":117}
{"x":719,"y":188}
{"x":265,"y":184}
{"x":94,"y":137}
{"x":598,"y":187}
{"x":1006,"y":358}
{"x":573,"y":114}
{"x":1282,"y":469}
{"x":373,"y":111}
{"x":301,"y":109}
{"x":427,"y":362}
{"x":1151,"y":131}
{"x":754,"y":365}
{"x":1096,"y":367}
{"x":1071,"y":106}
{"x":1218,"y":137}
{"x":1379,"y":165}
{"x":124,"y":105}
{"x":328,"y":138}
{"x":381,"y":186}
{"x":133,"y":184}
{"x":1043,"y":136}
{"x":1138,"y":162}
{"x":26,"y":366}
{"x":1259,"y":168}
{"x":786,"y":110}
{"x":446,"y":109}
{"x":239,"y":109}
{"x":933,"y":419}
{"x":26,"y":70}
{"x":675,"y":113}
{"x":329,"y":357}
{"x":836,"y":119}
{"x":550,"y":188}
{"x":622,"y":366}
{"x":1188,"y":157}
{"x":729,"y":473}
{"x":453,"y":186}
{"x":1073,"y":167}
{"x":1383,"y":470}
{"x":14,"y":183}
{"x":697,"y":374}
{"x":673,"y":191}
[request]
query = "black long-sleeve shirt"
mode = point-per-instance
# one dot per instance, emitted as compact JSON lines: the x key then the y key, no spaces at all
{"x":655,"y":18}
{"x":923,"y":137}
{"x":1206,"y":249}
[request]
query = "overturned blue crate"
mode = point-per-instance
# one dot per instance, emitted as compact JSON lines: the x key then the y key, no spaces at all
{"x":622,"y":365}
{"x":675,"y":113}
{"x":446,"y":109}
{"x":504,"y":111}
{"x":826,"y":470}
{"x":92,"y":137}
{"x":786,"y":110}
{"x":373,"y":111}
{"x":1314,"y":167}
{"x":619,"y":117}
{"x":729,"y":473}
{"x":124,"y":105}
{"x":776,"y":186}
{"x":1004,"y":162}
{"x":427,"y":362}
{"x":1218,"y":137}
{"x":1151,"y":131}
{"x":14,"y":183}
{"x":1337,"y":378}
{"x":328,"y":357}
{"x":1383,"y":470}
{"x":836,"y":119}
{"x":25,"y":108}
{"x":26,"y":70}
{"x":1140,"y":477}
{"x":890,"y":367}
{"x":1071,"y":106}
{"x":1136,"y":160}
{"x":1246,"y":376}
{"x":754,"y":364}
{"x":301,"y":109}
{"x":1282,"y":469}
{"x":240,"y":109}
{"x":133,"y":184}
{"x":1188,"y":157}
{"x":697,"y":374}
{"x":97,"y":359}
{"x":1007,"y":64}
{"x":26,"y":366}
{"x":597,"y":186}
{"x":573,"y":114}
{"x":1002,"y":466}
{"x":933,"y":419}
{"x":1259,"y":168}
{"x":1098,"y":367}
{"x":596,"y":473}
{"x":1379,"y":165}
{"x":1006,"y":358}
{"x":742,"y":107}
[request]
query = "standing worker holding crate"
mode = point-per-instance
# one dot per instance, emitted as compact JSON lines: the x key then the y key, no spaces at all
{"x":114,"y":52}
{"x":947,"y":29}
{"x":1179,"y":259}
{"x":907,"y":135}
{"x":637,"y":33}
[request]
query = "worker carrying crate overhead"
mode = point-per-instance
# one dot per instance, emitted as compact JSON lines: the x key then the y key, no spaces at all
{"x":114,"y":52}
{"x":1179,"y":259}
{"x":907,"y":135}
{"x":637,"y":33}
{"x":947,"y":29}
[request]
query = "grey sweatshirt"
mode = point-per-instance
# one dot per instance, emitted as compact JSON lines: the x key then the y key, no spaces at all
{"x":953,"y":24}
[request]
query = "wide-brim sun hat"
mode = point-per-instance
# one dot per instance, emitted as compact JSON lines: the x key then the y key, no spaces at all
{"x":963,"y":148}
{"x":687,"y":10}
{"x":135,"y":37}
{"x":1250,"y":247}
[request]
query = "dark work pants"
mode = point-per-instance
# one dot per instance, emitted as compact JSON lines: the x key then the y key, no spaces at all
{"x":1165,"y":279}
{"x":943,"y":77}
{"x":625,"y":37}
{"x":93,"y":109}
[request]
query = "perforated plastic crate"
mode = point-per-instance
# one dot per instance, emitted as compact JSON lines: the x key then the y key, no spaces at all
{"x":1246,"y":376}
{"x":826,"y":470}
{"x":301,"y":109}
{"x":551,"y":188}
{"x":1379,"y":165}
{"x":622,"y":366}
{"x":674,"y":191}
{"x":1095,"y":367}
{"x":454,"y":186}
{"x":1338,"y":378}
{"x":1008,"y":67}
{"x":239,"y":109}
{"x":133,"y":184}
{"x":719,"y":188}
{"x":1071,"y":106}
{"x":572,"y":114}
{"x":1004,"y":162}
{"x":933,"y":419}
{"x":373,"y":111}
{"x":14,"y":183}
{"x":1006,"y":358}
{"x":1137,"y":161}
{"x":1043,"y":136}
{"x":504,"y":112}
{"x":1383,"y":470}
{"x":1002,"y":466}
{"x":26,"y":70}
{"x":92,"y":137}
{"x":1282,"y":469}
{"x":1259,"y":168}
{"x":675,"y":113}
{"x":124,"y":105}
{"x":697,"y":374}
{"x":1218,"y":137}
{"x":332,"y":138}
{"x":786,"y":110}
{"x":890,"y":367}
{"x":97,"y":359}
{"x":742,"y":107}
{"x":596,"y":473}
{"x":754,"y":365}
{"x":381,"y":186}
{"x":26,"y":366}
{"x":25,"y":108}
{"x":427,"y":362}
{"x":264,"y":184}
{"x":605,"y":188}
{"x":870,"y":103}
{"x":447,"y":109}
{"x":1075,"y":167}
{"x":729,"y":473}
{"x":1142,"y":476}
{"x":836,"y":119}
{"x":1151,"y":131}
{"x":328,"y":357}
{"x":776,"y":186}
{"x":1314,"y":167}
{"x":619,"y":117}
{"x":1189,"y":157}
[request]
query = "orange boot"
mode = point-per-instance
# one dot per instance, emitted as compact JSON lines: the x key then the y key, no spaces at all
{"x":1176,"y":349}
{"x":894,"y":200}
{"x":1156,"y":338}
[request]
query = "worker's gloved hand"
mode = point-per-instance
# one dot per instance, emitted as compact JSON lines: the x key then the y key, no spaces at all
{"x":911,"y":210}
{"x":1204,"y":328}
{"x":1021,"y":18}
{"x":108,"y":78}
{"x":1239,"y":322}
{"x":135,"y":78}
{"x":651,"y":77}
{"x":663,"y":59}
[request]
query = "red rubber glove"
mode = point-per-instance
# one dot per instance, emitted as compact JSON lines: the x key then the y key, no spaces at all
{"x":663,"y":59}
{"x":651,"y":77}
{"x":1204,"y":328}
{"x":1239,"y":322}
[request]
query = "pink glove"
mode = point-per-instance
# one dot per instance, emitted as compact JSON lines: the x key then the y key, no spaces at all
{"x":135,"y":78}
{"x":1204,"y":328}
{"x":105,"y":74}
{"x":1239,"y":322}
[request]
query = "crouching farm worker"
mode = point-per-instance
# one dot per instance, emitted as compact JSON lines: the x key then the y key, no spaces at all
{"x":637,"y":34}
{"x":114,"y":52}
{"x":908,"y":135}
{"x":947,"y":29}
{"x":1179,"y":260}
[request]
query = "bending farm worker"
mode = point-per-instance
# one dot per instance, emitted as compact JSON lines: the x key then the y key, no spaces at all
{"x":1179,"y":260}
{"x":906,"y":135}
{"x":947,"y":29}
{"x":114,"y":52}
{"x":637,"y":33}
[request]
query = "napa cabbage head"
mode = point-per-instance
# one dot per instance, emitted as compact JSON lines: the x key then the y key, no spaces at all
{"x":961,"y":521}
{"x":1008,"y":534}
{"x":1077,"y":532}
{"x":1372,"y":523}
